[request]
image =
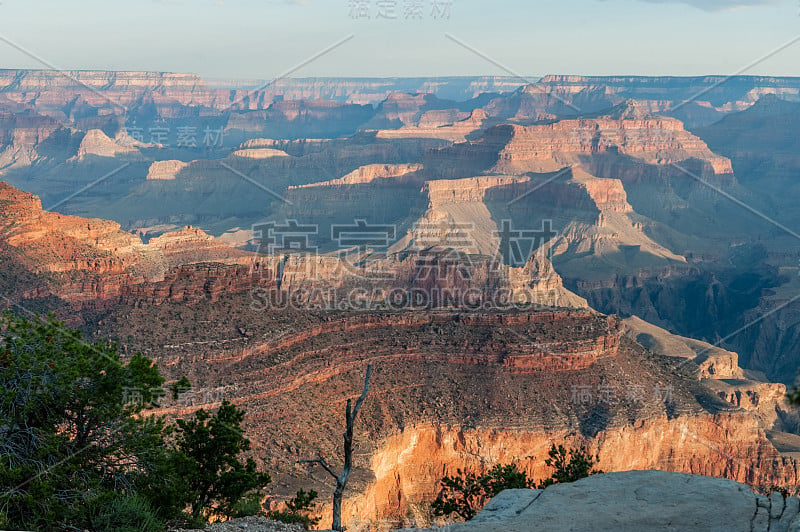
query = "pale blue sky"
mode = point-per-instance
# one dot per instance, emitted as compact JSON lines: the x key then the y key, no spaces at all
{"x":259,"y":39}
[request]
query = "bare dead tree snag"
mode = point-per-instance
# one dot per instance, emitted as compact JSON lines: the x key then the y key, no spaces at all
{"x":351,"y":412}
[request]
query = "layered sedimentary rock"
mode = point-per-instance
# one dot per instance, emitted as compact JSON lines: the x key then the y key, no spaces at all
{"x":53,"y":89}
{"x":97,"y":143}
{"x":641,"y":87}
{"x":21,"y":132}
{"x":577,"y":219}
{"x":171,"y":97}
{"x":43,"y":80}
{"x":409,"y":465}
{"x":375,"y":90}
{"x":69,"y":95}
{"x":456,"y":389}
{"x":25,"y":129}
{"x":607,"y":194}
{"x":583,"y":223}
{"x":165,"y":170}
{"x":615,"y":235}
{"x":90,"y":260}
{"x":424,"y":279}
{"x":594,"y":143}
{"x":467,"y":389}
{"x":95,"y":261}
{"x":299,"y":118}
{"x":458,"y":217}
{"x":720,"y":371}
{"x":258,"y":153}
{"x":697,"y":101}
{"x":368,"y":174}
{"x":444,"y":125}
{"x":403,"y":109}
{"x":594,"y":338}
{"x":468,"y":190}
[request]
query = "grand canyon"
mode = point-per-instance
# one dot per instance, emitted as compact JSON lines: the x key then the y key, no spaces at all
{"x":607,"y":263}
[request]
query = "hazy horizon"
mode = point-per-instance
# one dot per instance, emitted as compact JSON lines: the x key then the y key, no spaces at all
{"x":249,"y":40}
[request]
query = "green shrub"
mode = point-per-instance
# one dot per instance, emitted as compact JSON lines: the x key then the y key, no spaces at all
{"x":466,"y":493}
{"x":126,"y":513}
{"x":577,"y":466}
{"x":247,"y":506}
{"x":80,"y":450}
{"x":208,"y":461}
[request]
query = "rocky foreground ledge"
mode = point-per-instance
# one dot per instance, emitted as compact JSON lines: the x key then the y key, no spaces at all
{"x":638,"y":501}
{"x":246,"y":524}
{"x":630,"y":501}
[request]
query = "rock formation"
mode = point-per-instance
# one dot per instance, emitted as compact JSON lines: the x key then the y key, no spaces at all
{"x":662,"y":501}
{"x":368,"y":174}
{"x":90,"y":260}
{"x":165,"y":170}
{"x":97,"y":143}
{"x":440,"y":125}
{"x":586,"y":141}
{"x":468,"y":390}
{"x":484,"y":353}
{"x":258,"y":153}
{"x":688,"y":98}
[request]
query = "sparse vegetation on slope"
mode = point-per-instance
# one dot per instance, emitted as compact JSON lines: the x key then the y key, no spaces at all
{"x":464,"y":494}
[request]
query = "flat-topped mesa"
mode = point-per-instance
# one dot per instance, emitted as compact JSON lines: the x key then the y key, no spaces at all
{"x":603,"y":145}
{"x":608,"y":194}
{"x":165,"y":170}
{"x":471,"y":189}
{"x":443,"y":117}
{"x":449,"y":124}
{"x":367,"y":174}
{"x":306,"y":109}
{"x":191,"y":245}
{"x":259,"y":143}
{"x":258,"y":153}
{"x":660,"y":141}
{"x":187,"y":235}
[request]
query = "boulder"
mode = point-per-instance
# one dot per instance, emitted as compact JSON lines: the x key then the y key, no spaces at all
{"x":637,"y":501}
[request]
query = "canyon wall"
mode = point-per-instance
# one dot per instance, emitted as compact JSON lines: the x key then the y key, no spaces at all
{"x":408,"y":466}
